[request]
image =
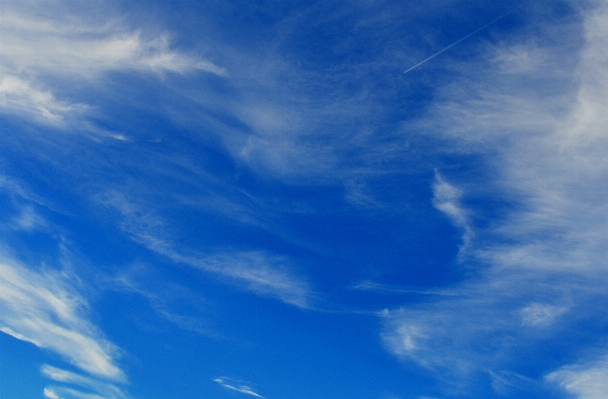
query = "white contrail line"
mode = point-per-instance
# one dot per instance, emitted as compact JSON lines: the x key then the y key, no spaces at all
{"x":460,"y":40}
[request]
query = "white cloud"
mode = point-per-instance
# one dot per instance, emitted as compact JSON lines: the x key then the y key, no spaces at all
{"x":262,"y":273}
{"x":42,"y":309}
{"x":257,"y":271}
{"x":589,"y":381}
{"x":75,"y":45}
{"x":106,"y":390}
{"x":20,"y":97}
{"x":50,"y":394}
{"x":543,"y":258}
{"x":537,"y":314}
{"x":446,"y":198}
{"x":42,"y":47}
{"x":237,"y":386}
{"x":69,"y":393}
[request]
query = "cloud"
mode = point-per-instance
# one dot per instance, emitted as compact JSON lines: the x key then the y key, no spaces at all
{"x":173,"y":302}
{"x":233,"y":385}
{"x":257,"y":271}
{"x":537,"y":314}
{"x":586,"y":381}
{"x":69,"y":393}
{"x":28,"y":220}
{"x":36,"y":42}
{"x":446,"y":198}
{"x":102,"y":389}
{"x":42,"y":48}
{"x":20,"y":97}
{"x":373,"y":286}
{"x":538,"y":267}
{"x":41,"y":308}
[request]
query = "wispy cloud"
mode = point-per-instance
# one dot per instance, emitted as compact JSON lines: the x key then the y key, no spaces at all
{"x":102,"y":389}
{"x":41,"y":48}
{"x":257,"y":271}
{"x":41,"y":308}
{"x":541,"y":262}
{"x":28,"y":219}
{"x":19,"y":97}
{"x":586,"y":381}
{"x":175,"y":303}
{"x":70,"y":393}
{"x":373,"y":286}
{"x":446,"y":198}
{"x":78,"y":45}
{"x":237,"y":386}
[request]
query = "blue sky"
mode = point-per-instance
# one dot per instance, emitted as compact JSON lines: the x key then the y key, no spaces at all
{"x":285,"y":200}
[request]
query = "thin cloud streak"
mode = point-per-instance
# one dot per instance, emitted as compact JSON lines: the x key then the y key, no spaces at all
{"x":42,"y":309}
{"x":165,"y":298}
{"x":106,"y":390}
{"x":256,"y":271}
{"x":244,"y":389}
{"x":389,"y":289}
{"x":69,"y":393}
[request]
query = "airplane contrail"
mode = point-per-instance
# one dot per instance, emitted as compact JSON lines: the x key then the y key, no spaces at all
{"x":460,"y":40}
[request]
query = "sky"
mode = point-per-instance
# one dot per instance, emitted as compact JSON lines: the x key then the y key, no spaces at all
{"x":290,"y":200}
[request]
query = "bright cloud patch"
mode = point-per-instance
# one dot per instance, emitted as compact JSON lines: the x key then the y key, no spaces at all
{"x":36,"y":48}
{"x":20,"y":97}
{"x":43,"y":310}
{"x":47,"y":44}
{"x":237,"y":386}
{"x":585,"y":381}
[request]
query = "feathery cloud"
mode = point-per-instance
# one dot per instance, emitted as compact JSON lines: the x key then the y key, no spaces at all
{"x":446,"y":198}
{"x":43,"y":47}
{"x":257,"y":271}
{"x":101,"y":388}
{"x":586,"y":381}
{"x":542,"y":264}
{"x":45,"y":43}
{"x":42,"y":309}
{"x":237,"y":386}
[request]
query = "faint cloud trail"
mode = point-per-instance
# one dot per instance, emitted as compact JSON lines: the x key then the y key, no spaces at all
{"x":241,"y":388}
{"x":461,"y":39}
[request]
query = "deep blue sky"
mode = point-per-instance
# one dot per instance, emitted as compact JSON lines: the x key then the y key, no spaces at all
{"x":252,"y":199}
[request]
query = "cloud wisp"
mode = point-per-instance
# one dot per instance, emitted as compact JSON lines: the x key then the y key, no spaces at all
{"x":43,"y":309}
{"x":446,"y":198}
{"x":40,"y":50}
{"x":256,"y":271}
{"x":541,"y":264}
{"x":586,"y":381}
{"x":21,"y":98}
{"x":237,"y":386}
{"x":94,"y":387}
{"x":86,"y":48}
